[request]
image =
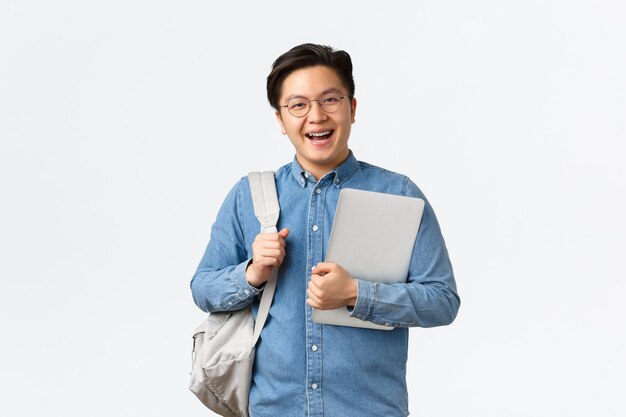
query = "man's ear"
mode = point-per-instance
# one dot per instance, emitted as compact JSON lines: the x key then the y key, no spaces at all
{"x":353,"y":107}
{"x":280,"y":122}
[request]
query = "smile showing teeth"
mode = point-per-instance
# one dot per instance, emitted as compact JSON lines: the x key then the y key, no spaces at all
{"x":319,"y":134}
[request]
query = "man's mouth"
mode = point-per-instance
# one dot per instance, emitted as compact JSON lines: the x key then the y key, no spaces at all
{"x":318,"y":137}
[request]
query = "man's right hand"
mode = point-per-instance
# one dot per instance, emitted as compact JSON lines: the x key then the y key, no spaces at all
{"x":268,"y":251}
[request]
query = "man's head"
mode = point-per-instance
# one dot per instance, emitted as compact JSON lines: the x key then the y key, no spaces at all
{"x":311,"y":88}
{"x":308,"y":55}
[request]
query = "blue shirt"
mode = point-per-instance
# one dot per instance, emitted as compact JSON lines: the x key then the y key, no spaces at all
{"x":307,"y":369}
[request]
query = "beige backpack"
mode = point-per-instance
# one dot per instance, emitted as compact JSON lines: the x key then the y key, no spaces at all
{"x":223,"y":345}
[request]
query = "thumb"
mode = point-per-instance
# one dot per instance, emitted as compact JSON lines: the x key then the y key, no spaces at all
{"x":284,"y":232}
{"x":323,"y":267}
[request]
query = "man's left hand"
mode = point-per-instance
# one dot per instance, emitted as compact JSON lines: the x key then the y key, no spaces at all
{"x":331,"y":287}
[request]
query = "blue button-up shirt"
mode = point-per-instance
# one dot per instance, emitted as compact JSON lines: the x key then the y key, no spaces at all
{"x":303,"y":368}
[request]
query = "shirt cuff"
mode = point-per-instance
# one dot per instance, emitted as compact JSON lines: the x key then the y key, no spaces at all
{"x":244,"y":289}
{"x":365,"y":300}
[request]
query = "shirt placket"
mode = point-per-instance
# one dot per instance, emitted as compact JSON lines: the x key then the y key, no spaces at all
{"x":315,"y":224}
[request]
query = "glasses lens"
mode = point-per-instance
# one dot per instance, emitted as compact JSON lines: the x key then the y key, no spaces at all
{"x":330,"y":102}
{"x":298,"y":106}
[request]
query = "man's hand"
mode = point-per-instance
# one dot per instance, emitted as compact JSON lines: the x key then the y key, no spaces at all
{"x":331,"y":287}
{"x":268,"y":251}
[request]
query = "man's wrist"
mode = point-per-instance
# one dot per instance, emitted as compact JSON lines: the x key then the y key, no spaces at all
{"x":354,"y":292}
{"x":251,"y":277}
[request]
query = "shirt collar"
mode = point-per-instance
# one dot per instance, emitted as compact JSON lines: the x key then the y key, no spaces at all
{"x":341,"y":173}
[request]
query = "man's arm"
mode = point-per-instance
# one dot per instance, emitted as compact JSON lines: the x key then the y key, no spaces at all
{"x":427,"y":299}
{"x":219,"y":282}
{"x":227,"y":279}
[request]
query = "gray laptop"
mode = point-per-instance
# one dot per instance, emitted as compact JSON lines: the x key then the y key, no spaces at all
{"x":372,"y":237}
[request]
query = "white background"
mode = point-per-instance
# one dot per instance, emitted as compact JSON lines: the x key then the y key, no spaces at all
{"x":124,"y":123}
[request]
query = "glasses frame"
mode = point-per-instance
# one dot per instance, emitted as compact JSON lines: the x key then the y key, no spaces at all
{"x":318,"y":102}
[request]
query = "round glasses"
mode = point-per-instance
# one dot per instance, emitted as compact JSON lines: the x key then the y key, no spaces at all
{"x":300,"y":106}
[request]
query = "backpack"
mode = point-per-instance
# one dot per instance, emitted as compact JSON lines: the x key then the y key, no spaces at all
{"x":224,"y":344}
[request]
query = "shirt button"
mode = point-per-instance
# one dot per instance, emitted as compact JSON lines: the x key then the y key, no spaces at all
{"x":314,"y":386}
{"x":318,"y":191}
{"x":314,"y":348}
{"x":336,"y":180}
{"x":247,"y":292}
{"x":315,"y":228}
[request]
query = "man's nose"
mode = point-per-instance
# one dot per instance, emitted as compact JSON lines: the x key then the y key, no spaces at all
{"x":316,"y":112}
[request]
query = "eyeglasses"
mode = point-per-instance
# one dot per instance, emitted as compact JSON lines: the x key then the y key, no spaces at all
{"x":300,"y":106}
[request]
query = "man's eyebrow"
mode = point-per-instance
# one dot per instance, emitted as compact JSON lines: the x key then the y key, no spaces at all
{"x":332,"y":90}
{"x":328,"y":90}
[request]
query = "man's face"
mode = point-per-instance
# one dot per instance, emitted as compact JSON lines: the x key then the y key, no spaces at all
{"x":322,"y":153}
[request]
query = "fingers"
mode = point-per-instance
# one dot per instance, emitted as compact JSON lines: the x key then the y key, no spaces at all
{"x":314,"y":289}
{"x":267,"y":248}
{"x":321,"y":286}
{"x":318,"y":292}
{"x":323,"y":276}
{"x":324,"y":268}
{"x":330,"y":286}
{"x":313,"y":301}
{"x":272,"y":237}
{"x":318,"y":301}
{"x":268,"y":251}
{"x":316,"y":295}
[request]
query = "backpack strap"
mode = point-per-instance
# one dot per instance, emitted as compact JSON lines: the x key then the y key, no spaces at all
{"x":267,"y":210}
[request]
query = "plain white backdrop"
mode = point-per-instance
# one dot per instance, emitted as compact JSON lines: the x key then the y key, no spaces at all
{"x":124,"y":123}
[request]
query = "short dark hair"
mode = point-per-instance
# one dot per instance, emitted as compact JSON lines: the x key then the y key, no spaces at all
{"x":308,"y":55}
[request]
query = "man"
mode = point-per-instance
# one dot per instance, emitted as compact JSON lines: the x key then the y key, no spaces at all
{"x":303,"y":368}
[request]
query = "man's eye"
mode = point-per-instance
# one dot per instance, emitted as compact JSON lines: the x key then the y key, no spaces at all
{"x":330,"y":100}
{"x":297,"y":105}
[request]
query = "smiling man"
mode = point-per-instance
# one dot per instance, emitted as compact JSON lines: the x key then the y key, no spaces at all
{"x":318,"y":133}
{"x":304,"y":368}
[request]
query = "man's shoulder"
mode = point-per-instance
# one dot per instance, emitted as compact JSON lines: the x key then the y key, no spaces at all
{"x":376,"y":173}
{"x":376,"y":170}
{"x":283,"y":170}
{"x":376,"y":178}
{"x":242,"y":183}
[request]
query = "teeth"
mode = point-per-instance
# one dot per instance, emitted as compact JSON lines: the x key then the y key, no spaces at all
{"x":318,"y":134}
